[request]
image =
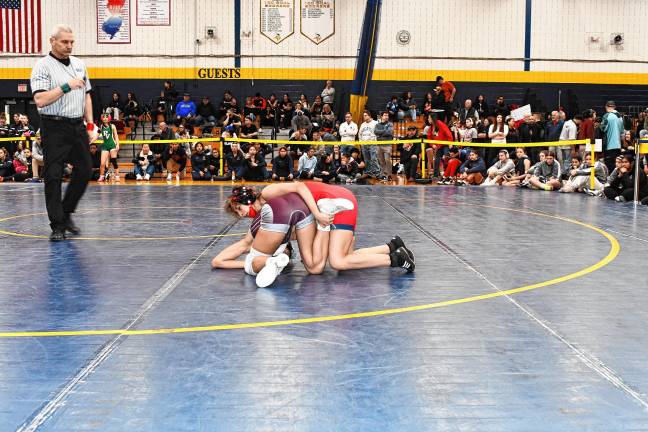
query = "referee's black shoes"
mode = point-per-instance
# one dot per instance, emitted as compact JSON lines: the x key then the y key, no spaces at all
{"x":57,"y":235}
{"x":70,"y":226}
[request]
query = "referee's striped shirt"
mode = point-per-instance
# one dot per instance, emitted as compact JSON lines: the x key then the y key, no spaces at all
{"x":50,"y":72}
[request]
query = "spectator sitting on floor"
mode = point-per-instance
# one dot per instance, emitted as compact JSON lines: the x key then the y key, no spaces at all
{"x":200,"y":163}
{"x":182,"y":133}
{"x":409,"y":157}
{"x":470,"y":172}
{"x":205,"y":113}
{"x":337,"y":157}
{"x":37,"y":156}
{"x":95,"y":155}
{"x":622,"y":188}
{"x":357,"y":157}
{"x":23,"y":166}
{"x":175,"y":160}
{"x":502,"y":170}
{"x":522,"y":167}
{"x":282,"y":166}
{"x":6,"y":166}
{"x":185,"y":110}
{"x":324,"y":170}
{"x":348,"y":172}
{"x":236,"y":162}
{"x":452,"y":166}
{"x":144,"y":164}
{"x":255,"y":166}
{"x":307,"y":164}
{"x":213,"y":160}
{"x":547,"y":174}
{"x":574,"y":163}
{"x":580,"y":177}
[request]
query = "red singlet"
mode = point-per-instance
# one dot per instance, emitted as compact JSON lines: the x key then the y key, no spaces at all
{"x":344,"y":220}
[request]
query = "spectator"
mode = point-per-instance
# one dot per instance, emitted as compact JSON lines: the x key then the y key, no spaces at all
{"x":328,"y":94}
{"x":407,"y":107}
{"x":622,"y":187}
{"x":317,"y":107}
{"x":175,"y":160}
{"x":467,"y":132}
{"x":436,"y":130}
{"x":579,"y":177}
{"x":286,"y":112}
{"x":185,"y":111}
{"x":367,"y":132}
{"x":225,"y":105}
{"x":327,"y":119}
{"x":569,"y":133}
{"x":37,"y":157}
{"x":132,"y":112}
{"x":348,"y":172}
{"x":183,"y":134}
{"x":503,"y":169}
{"x":213,"y":160}
{"x":6,"y":166}
{"x":468,"y":112}
{"x":553,"y":128}
{"x":348,"y":132}
{"x":144,"y":164}
{"x":116,"y":107}
{"x":249,"y":109}
{"x":522,"y":167}
{"x":628,"y":142}
{"x":282,"y":166}
{"x":384,"y":131}
{"x":337,"y":157}
{"x":529,"y":132}
{"x":255,"y":166}
{"x":612,"y":127}
{"x":248,"y":131}
{"x":161,"y":108}
{"x":357,"y":156}
{"x":501,"y":108}
{"x":269,"y":117}
{"x":296,"y":150}
{"x":513,"y":135}
{"x":586,"y":130}
{"x":498,"y":131}
{"x":232,"y":119}
{"x":452,"y":166}
{"x":393,"y":109}
{"x":324,"y":170}
{"x":304,"y":101}
{"x":481,"y":106}
{"x":547,"y":174}
{"x":95,"y":155}
{"x":200,"y":163}
{"x":170,"y":94}
{"x":205,"y":113}
{"x":23,"y":166}
{"x":428,"y":104}
{"x":409,"y":157}
{"x":236,"y":162}
{"x":24,"y":128}
{"x":471,"y":171}
{"x":449,"y":91}
{"x":300,"y":119}
{"x":307,"y":164}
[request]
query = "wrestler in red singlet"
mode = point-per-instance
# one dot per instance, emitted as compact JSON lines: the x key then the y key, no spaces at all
{"x":345,"y":220}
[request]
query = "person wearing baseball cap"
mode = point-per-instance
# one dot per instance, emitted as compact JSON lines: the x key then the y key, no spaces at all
{"x":612,"y":127}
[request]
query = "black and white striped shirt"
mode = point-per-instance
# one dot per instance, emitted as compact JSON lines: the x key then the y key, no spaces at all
{"x":49,"y":73}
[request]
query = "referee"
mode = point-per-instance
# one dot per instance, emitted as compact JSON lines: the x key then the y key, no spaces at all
{"x":61,"y":87}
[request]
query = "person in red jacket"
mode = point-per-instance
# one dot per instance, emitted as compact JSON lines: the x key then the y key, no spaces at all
{"x":586,"y":130}
{"x":436,"y":130}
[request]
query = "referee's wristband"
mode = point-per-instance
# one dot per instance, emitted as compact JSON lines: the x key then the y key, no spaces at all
{"x":66,"y":88}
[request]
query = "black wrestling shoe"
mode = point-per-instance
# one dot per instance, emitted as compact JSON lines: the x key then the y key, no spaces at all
{"x":57,"y":235}
{"x":396,"y":243}
{"x":401,"y":258}
{"x":70,"y":226}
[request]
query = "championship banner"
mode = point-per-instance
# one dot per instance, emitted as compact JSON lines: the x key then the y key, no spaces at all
{"x":317,"y":21}
{"x":277,"y":19}
{"x":113,"y":22}
{"x":153,"y":12}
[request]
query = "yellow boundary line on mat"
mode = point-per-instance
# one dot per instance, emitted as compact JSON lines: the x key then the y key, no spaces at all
{"x":612,"y":254}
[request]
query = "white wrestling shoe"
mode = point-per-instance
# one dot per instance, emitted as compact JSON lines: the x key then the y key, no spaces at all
{"x":273,"y":268}
{"x":333,"y":206}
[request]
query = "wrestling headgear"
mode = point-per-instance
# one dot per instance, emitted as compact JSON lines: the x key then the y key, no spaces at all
{"x":243,"y":195}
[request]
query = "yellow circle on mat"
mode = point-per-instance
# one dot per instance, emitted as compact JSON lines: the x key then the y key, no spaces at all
{"x":611,"y":255}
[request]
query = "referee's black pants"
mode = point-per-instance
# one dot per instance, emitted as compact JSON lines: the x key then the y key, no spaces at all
{"x":63,"y":143}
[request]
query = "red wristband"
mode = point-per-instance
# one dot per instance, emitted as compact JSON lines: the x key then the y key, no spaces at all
{"x":90,"y":127}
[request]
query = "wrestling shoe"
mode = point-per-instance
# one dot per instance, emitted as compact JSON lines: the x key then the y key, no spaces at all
{"x":401,"y":258}
{"x":273,"y":268}
{"x":396,"y":243}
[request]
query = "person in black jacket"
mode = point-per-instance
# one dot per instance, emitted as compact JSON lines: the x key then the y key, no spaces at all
{"x":409,"y":157}
{"x":236,"y":162}
{"x":324,"y":170}
{"x":205,"y":112}
{"x":348,"y":171}
{"x":529,"y":132}
{"x":255,"y":166}
{"x":213,"y":160}
{"x":6,"y":166}
{"x":472,"y":171}
{"x":283,"y":166}
{"x":200,"y":163}
{"x":175,"y":160}
{"x":95,"y":155}
{"x":622,"y":187}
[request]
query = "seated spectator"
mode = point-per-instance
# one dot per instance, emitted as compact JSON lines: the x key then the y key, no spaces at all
{"x":451,"y":171}
{"x":324,"y":170}
{"x":501,"y":108}
{"x":23,"y":166}
{"x":235,"y":162}
{"x":622,"y":187}
{"x":522,"y":167}
{"x":300,"y":119}
{"x":248,"y":131}
{"x":547,"y":174}
{"x":182,"y":133}
{"x":471,"y":171}
{"x":144,"y":164}
{"x":132,"y":112}
{"x":410,"y":160}
{"x":259,"y":103}
{"x":502,"y":170}
{"x":337,"y":157}
{"x":232,"y":119}
{"x":161,"y":107}
{"x":269,"y":116}
{"x":185,"y":110}
{"x":200,"y":163}
{"x":95,"y":155}
{"x":406,"y":106}
{"x":393,"y":109}
{"x":317,"y":107}
{"x":304,"y":101}
{"x":205,"y":113}
{"x":579,"y":179}
{"x":282,"y":166}
{"x":307,"y":164}
{"x":357,"y":157}
{"x":213,"y":160}
{"x":175,"y":160}
{"x":468,"y":111}
{"x":574,"y":164}
{"x":24,"y":128}
{"x":286,"y":112}
{"x":37,"y":157}
{"x":530,"y":173}
{"x":6,"y":166}
{"x":467,"y":132}
{"x":225,"y":105}
{"x":255,"y":166}
{"x":348,"y":172}
{"x":249,"y":110}
{"x":296,"y":150}
{"x":327,"y":119}
{"x":116,"y":107}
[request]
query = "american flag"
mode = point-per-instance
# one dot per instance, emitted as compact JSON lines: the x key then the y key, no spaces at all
{"x":20,"y":26}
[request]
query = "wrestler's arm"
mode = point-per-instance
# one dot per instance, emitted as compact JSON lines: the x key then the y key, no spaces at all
{"x":279,"y":189}
{"x":226,"y":259}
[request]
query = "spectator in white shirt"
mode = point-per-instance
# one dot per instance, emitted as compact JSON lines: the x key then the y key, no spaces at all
{"x":328,"y":94}
{"x":348,"y":132}
{"x":569,"y":132}
{"x":307,"y":165}
{"x":367,"y":132}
